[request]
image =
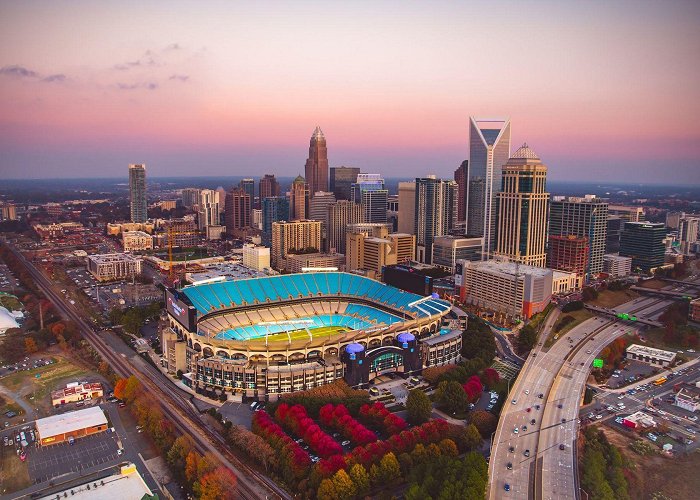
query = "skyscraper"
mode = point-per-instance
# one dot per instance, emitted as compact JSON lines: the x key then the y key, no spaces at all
{"x":274,"y":209}
{"x":435,"y":213}
{"x":298,"y":199}
{"x":489,"y":150}
{"x":238,"y":211}
{"x":340,"y":214}
{"x":293,"y":237}
{"x":267,"y":187}
{"x":318,"y":210}
{"x":461,"y":175}
{"x":209,"y":209}
{"x":248,"y":185}
{"x":522,"y":209}
{"x":688,"y":233}
{"x":587,"y":216}
{"x":407,"y":207}
{"x":370,"y":192}
{"x":137,"y":192}
{"x":190,"y":197}
{"x":570,"y":254}
{"x":644,"y":242}
{"x":341,"y":180}
{"x":317,"y":163}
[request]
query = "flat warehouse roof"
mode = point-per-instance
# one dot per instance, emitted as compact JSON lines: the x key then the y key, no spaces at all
{"x":71,"y":421}
{"x":641,"y":350}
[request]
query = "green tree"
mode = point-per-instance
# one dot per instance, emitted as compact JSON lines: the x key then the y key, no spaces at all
{"x":418,"y":406}
{"x":451,"y":396}
{"x":360,"y":478}
{"x":344,"y":487}
{"x":449,"y":448}
{"x":527,"y":337}
{"x":375,"y":476}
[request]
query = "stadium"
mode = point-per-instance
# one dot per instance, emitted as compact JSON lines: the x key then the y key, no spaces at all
{"x":261,"y":337}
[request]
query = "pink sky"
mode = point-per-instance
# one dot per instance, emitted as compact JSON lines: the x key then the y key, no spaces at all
{"x":596,"y":88}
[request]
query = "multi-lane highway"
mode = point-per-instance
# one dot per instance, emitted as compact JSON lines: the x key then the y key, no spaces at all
{"x":533,"y":452}
{"x":250,"y":485}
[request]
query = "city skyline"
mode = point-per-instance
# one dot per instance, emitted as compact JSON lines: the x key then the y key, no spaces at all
{"x":178,"y":95}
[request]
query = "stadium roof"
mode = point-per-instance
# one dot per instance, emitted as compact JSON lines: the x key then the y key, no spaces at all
{"x":71,"y":421}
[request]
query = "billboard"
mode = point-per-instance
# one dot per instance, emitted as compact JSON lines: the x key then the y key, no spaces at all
{"x":181,"y":311}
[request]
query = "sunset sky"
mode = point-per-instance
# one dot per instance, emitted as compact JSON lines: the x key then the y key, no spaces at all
{"x":599,"y":89}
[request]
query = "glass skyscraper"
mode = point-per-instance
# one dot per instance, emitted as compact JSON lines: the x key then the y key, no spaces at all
{"x":274,"y":209}
{"x":137,"y":192}
{"x":341,"y":180}
{"x":435,"y":213}
{"x":489,"y":150}
{"x":370,"y":192}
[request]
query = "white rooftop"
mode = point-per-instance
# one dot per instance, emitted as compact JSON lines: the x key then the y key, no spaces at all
{"x":71,"y":421}
{"x":642,"y":350}
{"x":509,"y":268}
{"x":126,"y":485}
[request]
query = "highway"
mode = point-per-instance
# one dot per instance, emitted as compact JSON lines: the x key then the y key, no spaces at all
{"x":530,"y":460}
{"x":250,"y":483}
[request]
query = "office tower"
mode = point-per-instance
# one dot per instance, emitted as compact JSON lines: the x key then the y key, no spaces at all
{"x":688,"y":233}
{"x":627,"y":214}
{"x":190,"y":197}
{"x":447,"y":250}
{"x":522,"y":209}
{"x":318,"y":210}
{"x":340,"y":214}
{"x":616,"y":266}
{"x":238,"y":210}
{"x":489,"y":150}
{"x":570,"y":254}
{"x":587,"y":216}
{"x":407,"y":207}
{"x":256,"y":219}
{"x":301,"y":236}
{"x":268,"y":187}
{"x":341,"y":180}
{"x":317,"y":164}
{"x":644,"y":242}
{"x":673,"y":219}
{"x":137,"y":192}
{"x":256,"y":257}
{"x":274,"y":209}
{"x":298,"y":199}
{"x":461,"y":175}
{"x":370,"y":192}
{"x":372,"y":248}
{"x":209,"y":209}
{"x":248,"y":185}
{"x":615,"y":225}
{"x":435,"y":213}
{"x":392,"y":203}
{"x":8,"y":211}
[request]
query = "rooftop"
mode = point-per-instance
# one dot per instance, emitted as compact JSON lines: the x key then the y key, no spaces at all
{"x":127,"y":484}
{"x":509,"y":268}
{"x":642,"y":350}
{"x":71,"y":421}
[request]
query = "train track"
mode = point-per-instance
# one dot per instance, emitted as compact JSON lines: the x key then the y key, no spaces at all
{"x":250,"y":485}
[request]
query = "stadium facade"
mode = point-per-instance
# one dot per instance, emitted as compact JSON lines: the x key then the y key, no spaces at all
{"x":263,"y":337}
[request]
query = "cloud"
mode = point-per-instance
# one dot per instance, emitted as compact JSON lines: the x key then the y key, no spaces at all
{"x":18,"y":71}
{"x":55,"y":78}
{"x":179,"y":78}
{"x":136,"y":86}
{"x":172,"y":46}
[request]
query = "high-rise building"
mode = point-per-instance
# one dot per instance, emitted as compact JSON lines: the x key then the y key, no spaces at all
{"x":644,"y":242}
{"x":688,"y":233}
{"x":447,"y":250}
{"x":318,"y":210}
{"x":627,"y":214}
{"x":294,"y":237}
{"x":8,"y":211}
{"x":673,"y":219}
{"x":183,"y":231}
{"x":248,"y":185}
{"x":298,"y":199}
{"x":570,"y":254}
{"x":268,"y":187}
{"x":340,"y":215}
{"x":613,"y":232}
{"x":461,"y":176}
{"x":341,"y":180}
{"x":522,"y":209}
{"x":137,"y":192}
{"x":209,"y":209}
{"x":190,"y":197}
{"x":435,"y":213}
{"x":407,"y":207}
{"x":237,"y":210}
{"x":489,"y":150}
{"x":369,"y":191}
{"x":587,"y":216}
{"x":317,"y":164}
{"x":274,"y":209}
{"x":256,"y":257}
{"x":372,"y":249}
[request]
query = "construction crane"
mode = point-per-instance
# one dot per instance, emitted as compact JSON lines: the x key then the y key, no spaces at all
{"x":171,"y":234}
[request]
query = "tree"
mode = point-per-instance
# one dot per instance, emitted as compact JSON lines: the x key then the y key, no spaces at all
{"x":360,"y":478}
{"x":527,"y":337}
{"x":119,"y":388}
{"x":484,"y":421}
{"x":326,"y":490}
{"x":131,"y":389}
{"x":419,"y":407}
{"x":30,"y":346}
{"x":178,"y":452}
{"x":191,"y":465}
{"x":449,"y":448}
{"x":451,"y":396}
{"x":344,"y":487}
{"x":219,"y":483}
{"x":389,"y":468}
{"x":375,"y":476}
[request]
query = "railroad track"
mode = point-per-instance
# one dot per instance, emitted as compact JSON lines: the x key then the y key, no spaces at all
{"x":251,"y":484}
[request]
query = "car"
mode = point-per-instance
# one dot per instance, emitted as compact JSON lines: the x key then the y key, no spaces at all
{"x":537,"y":407}
{"x":524,"y":427}
{"x":560,"y":406}
{"x":122,"y":404}
{"x":528,"y":409}
{"x":71,"y":440}
{"x":589,"y":351}
{"x":527,"y":453}
{"x":511,"y":449}
{"x":506,"y":487}
{"x":514,"y":401}
{"x":515,"y":431}
{"x":562,"y":447}
{"x":540,"y":395}
{"x":598,"y":417}
{"x":509,"y":466}
{"x":345,"y":443}
{"x":120,"y":452}
{"x":563,"y":420}
{"x":692,"y":418}
{"x":527,"y":391}
{"x":621,"y":396}
{"x":532,"y":422}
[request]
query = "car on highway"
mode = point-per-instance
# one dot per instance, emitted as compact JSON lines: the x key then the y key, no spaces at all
{"x":562,"y":447}
{"x":532,"y":422}
{"x":537,"y":407}
{"x":540,"y":395}
{"x":527,"y":453}
{"x":560,"y":406}
{"x":514,"y":401}
{"x":515,"y":431}
{"x":527,"y":391}
{"x":509,"y":466}
{"x":524,"y":427}
{"x":506,"y":487}
{"x":511,"y":449}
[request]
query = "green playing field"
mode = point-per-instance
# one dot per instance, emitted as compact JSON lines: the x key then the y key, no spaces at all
{"x":323,"y":331}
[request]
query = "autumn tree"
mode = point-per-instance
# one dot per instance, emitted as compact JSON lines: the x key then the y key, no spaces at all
{"x":389,"y":468}
{"x":326,"y":490}
{"x":217,"y":484}
{"x":30,"y":346}
{"x":360,"y":479}
{"x":344,"y":487}
{"x":119,"y":388}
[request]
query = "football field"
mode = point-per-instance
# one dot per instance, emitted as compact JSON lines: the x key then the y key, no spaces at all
{"x":323,"y":331}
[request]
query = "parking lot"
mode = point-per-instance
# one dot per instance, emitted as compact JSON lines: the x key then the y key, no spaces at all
{"x":50,"y":461}
{"x":8,"y":283}
{"x":631,"y":372}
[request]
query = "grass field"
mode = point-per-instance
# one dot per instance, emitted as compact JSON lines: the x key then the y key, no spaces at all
{"x":303,"y":334}
{"x":579,"y":317}
{"x":14,"y":474}
{"x":610,"y":298}
{"x":10,"y":302}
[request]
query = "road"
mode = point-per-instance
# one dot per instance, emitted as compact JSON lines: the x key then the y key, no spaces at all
{"x":251,"y":484}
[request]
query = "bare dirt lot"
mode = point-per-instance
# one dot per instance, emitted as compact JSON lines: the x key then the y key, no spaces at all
{"x":676,"y":477}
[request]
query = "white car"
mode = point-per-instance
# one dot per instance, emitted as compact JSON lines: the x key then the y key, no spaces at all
{"x":527,"y":391}
{"x":514,"y":401}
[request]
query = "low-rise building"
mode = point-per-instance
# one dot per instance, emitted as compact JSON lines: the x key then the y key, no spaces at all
{"x":638,"y":420}
{"x":617,"y":266}
{"x":563,"y":282}
{"x":76,"y":392}
{"x":256,"y":257}
{"x":134,"y":241}
{"x":126,"y":484}
{"x":442,"y":349}
{"x":650,"y":355}
{"x":113,"y":266}
{"x":223,"y":271}
{"x":215,"y":232}
{"x":296,"y":263}
{"x":688,"y":397}
{"x":694,"y":310}
{"x":73,"y":424}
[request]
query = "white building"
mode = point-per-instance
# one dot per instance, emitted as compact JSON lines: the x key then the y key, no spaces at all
{"x":113,"y":266}
{"x":7,"y":321}
{"x":617,"y":266}
{"x":688,"y":398}
{"x":136,"y":240}
{"x":127,"y":484}
{"x":650,"y":355}
{"x":256,"y":257}
{"x":563,"y":282}
{"x":209,"y":209}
